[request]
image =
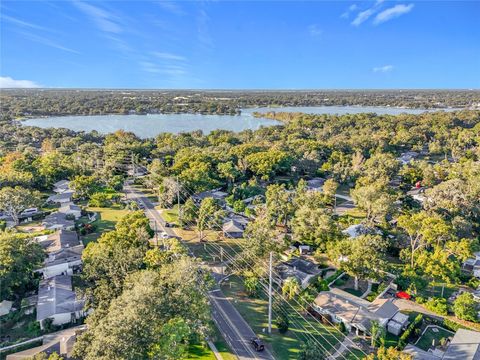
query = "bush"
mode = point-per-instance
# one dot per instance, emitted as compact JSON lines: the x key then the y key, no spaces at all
{"x":3,"y":225}
{"x":437,"y":305}
{"x":411,"y":330}
{"x":282,"y":323}
{"x":473,"y":283}
{"x":341,"y":327}
{"x":321,"y":285}
{"x":465,"y":307}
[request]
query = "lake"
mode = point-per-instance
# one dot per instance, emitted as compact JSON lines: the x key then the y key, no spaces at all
{"x":146,"y":126}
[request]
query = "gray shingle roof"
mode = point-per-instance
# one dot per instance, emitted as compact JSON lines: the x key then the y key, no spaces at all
{"x":465,"y":345}
{"x":55,"y":296}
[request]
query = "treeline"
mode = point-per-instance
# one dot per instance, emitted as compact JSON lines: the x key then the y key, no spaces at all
{"x":34,"y":102}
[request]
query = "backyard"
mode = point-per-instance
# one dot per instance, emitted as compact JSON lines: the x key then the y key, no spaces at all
{"x":283,"y":346}
{"x":106,"y":220}
{"x":431,"y":334}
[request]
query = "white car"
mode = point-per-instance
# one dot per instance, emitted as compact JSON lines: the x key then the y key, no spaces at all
{"x":29,"y":211}
{"x":164,"y":235}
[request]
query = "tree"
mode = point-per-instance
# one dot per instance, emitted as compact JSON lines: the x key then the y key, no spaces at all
{"x":209,"y":216}
{"x":44,"y":356}
{"x":291,"y":287}
{"x":282,"y":323}
{"x":374,"y":200}
{"x":329,"y":188}
{"x":268,"y":163}
{"x":168,"y":191}
{"x":311,"y":351}
{"x":389,"y":354}
{"x":19,"y":257}
{"x":84,"y":186}
{"x":14,"y":200}
{"x":314,"y":226}
{"x":109,"y":260}
{"x":279,"y":204}
{"x":188,"y":213}
{"x":155,"y":316}
{"x":465,"y":307}
{"x":422,"y":229}
{"x":252,"y":284}
{"x":377,"y":332}
{"x":362,"y":257}
{"x":228,"y":171}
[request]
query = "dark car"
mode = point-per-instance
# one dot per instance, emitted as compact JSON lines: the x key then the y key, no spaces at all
{"x":167,"y":224}
{"x":258,"y":344}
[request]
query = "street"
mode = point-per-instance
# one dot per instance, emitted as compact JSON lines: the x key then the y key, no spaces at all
{"x":235,"y":330}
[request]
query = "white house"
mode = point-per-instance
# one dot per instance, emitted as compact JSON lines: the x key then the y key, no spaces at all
{"x":356,"y":313}
{"x":57,"y":301}
{"x":417,"y":193}
{"x":71,"y":209}
{"x":61,"y":198}
{"x":408,"y":156}
{"x":64,"y":251}
{"x":472,"y":265}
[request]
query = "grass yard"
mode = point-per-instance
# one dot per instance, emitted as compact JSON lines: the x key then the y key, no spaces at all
{"x":198,"y":351}
{"x":107,"y":218}
{"x":288,"y":345}
{"x":435,"y":289}
{"x":426,"y":340}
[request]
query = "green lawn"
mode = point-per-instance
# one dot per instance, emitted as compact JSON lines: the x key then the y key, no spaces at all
{"x":200,"y":352}
{"x":170,"y":215}
{"x":107,"y":218}
{"x":286,"y":346}
{"x":425,"y":342}
{"x":435,"y":290}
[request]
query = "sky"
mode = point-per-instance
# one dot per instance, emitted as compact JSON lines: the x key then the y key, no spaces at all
{"x":240,"y":44}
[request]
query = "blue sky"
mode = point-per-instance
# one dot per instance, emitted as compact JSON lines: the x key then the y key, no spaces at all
{"x":240,"y":44}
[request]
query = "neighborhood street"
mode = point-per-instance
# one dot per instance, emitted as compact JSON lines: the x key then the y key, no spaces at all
{"x":232,"y":326}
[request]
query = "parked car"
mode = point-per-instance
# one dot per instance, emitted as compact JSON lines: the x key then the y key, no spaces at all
{"x":29,"y":211}
{"x":164,"y":235}
{"x":258,"y":344}
{"x":169,"y":225}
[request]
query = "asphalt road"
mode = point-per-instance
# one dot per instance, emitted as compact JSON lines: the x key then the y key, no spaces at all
{"x":231,"y":324}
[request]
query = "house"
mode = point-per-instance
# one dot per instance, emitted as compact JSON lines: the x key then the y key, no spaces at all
{"x":315,"y":184}
{"x":61,"y":186}
{"x":64,"y":251}
{"x":397,"y":324}
{"x":408,"y":156}
{"x":472,"y":265}
{"x":57,"y":301}
{"x":356,"y":313}
{"x":71,"y":209}
{"x":5,"y":307}
{"x":216,"y":194}
{"x":233,"y":229}
{"x":301,"y":269}
{"x":465,"y":345}
{"x":58,"y":220}
{"x":63,"y":197}
{"x":60,"y":342}
{"x":354,"y":231}
{"x":417,"y":193}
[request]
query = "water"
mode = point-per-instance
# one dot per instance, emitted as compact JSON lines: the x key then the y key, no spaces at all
{"x":146,"y":126}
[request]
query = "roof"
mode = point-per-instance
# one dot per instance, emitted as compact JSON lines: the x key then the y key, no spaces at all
{"x":59,"y":240}
{"x":66,"y":195}
{"x":60,"y":342}
{"x":55,"y":296}
{"x":315,"y":183}
{"x":419,"y":354}
{"x":61,"y":183}
{"x":69,"y":207}
{"x":303,"y":265}
{"x":5,"y":307}
{"x":359,"y":229}
{"x":301,"y":269}
{"x":400,"y":318}
{"x":355,"y":310}
{"x":232,"y":226}
{"x":216,"y":194}
{"x":464,"y":345}
{"x":56,"y":219}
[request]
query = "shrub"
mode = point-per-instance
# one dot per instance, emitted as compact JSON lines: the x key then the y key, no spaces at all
{"x":282,"y":323}
{"x":465,"y":306}
{"x":416,"y":323}
{"x":341,"y":327}
{"x":437,"y":305}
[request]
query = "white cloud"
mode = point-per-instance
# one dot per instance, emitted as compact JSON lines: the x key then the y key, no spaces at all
{"x":350,"y":9}
{"x":102,"y":18}
{"x":314,"y":30}
{"x":383,"y":69}
{"x":46,"y":41}
{"x":23,"y":23}
{"x":171,"y":7}
{"x":169,"y":56}
{"x":7,"y":82}
{"x":392,"y":13}
{"x":363,"y":16}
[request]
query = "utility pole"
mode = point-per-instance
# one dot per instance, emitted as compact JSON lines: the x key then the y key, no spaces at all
{"x":270,"y":295}
{"x":221,"y":259}
{"x":178,"y":203}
